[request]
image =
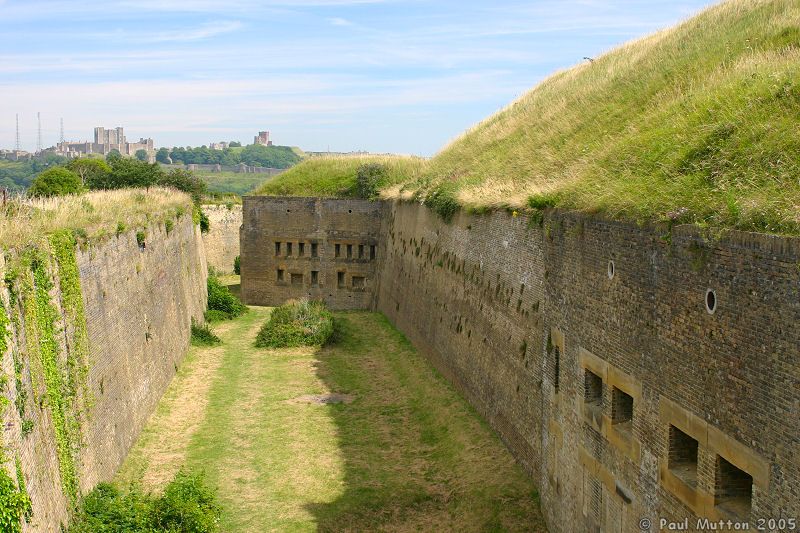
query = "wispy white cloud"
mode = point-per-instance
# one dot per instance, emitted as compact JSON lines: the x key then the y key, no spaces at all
{"x":338,"y":21}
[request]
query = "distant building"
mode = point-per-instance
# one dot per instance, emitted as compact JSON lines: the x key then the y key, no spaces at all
{"x":262,"y":138}
{"x":106,"y":140}
{"x":218,"y":146}
{"x":15,"y":155}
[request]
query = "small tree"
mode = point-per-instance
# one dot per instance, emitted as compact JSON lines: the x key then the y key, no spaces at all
{"x":141,"y":155}
{"x":368,"y":180}
{"x":90,"y":170}
{"x":162,"y":156}
{"x":186,"y":181}
{"x":113,"y":155}
{"x":56,"y":181}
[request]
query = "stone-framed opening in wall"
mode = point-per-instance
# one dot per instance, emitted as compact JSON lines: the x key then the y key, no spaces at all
{"x":340,"y":280}
{"x":301,"y":249}
{"x":277,"y":249}
{"x":621,"y":410}
{"x":288,"y":249}
{"x":592,"y":390}
{"x":733,"y":489}
{"x":349,"y":251}
{"x":361,"y":251}
{"x":280,"y":274}
{"x":314,"y":249}
{"x":337,"y":250}
{"x":556,"y":368}
{"x":372,"y":252}
{"x":682,"y":456}
{"x":315,"y":278}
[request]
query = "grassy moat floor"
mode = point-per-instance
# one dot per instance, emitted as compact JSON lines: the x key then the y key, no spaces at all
{"x":407,"y":453}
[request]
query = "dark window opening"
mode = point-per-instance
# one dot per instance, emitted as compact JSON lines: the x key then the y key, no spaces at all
{"x":280,"y":275}
{"x":297,"y":279}
{"x":372,"y":252}
{"x":314,"y":278}
{"x":621,"y":406}
{"x":682,"y":458}
{"x":288,"y":249}
{"x":301,"y":249}
{"x":733,"y":491}
{"x":358,"y":282}
{"x":314,"y":249}
{"x":340,"y":280}
{"x":592,"y":389}
{"x":361,"y":251}
{"x":277,"y":249}
{"x":349,"y":251}
{"x":557,"y":368}
{"x":337,"y":250}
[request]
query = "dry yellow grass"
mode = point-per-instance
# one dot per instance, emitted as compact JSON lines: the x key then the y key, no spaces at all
{"x":94,"y":215}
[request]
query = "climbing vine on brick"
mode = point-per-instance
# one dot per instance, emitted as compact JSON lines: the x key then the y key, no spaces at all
{"x":40,"y":319}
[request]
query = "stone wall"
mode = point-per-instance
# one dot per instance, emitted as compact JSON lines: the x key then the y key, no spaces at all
{"x":316,"y":248}
{"x":139,"y":301}
{"x":634,"y":372}
{"x":222,"y":240}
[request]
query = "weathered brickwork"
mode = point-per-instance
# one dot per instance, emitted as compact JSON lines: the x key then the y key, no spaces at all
{"x":139,"y":302}
{"x":521,"y":316}
{"x":315,"y":248}
{"x":222,"y":240}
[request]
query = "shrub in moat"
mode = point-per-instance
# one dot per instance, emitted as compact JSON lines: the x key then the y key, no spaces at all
{"x":186,"y":506}
{"x":203,"y":336}
{"x":220,"y":298}
{"x":296,"y":323}
{"x":214,"y":315}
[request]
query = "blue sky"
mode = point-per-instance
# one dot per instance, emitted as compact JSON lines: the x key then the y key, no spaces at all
{"x":402,"y":76}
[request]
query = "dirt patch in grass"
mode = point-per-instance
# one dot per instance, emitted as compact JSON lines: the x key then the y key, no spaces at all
{"x":322,"y":399}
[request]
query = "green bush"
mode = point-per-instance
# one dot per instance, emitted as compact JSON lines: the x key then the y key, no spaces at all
{"x":214,"y":315}
{"x":186,"y":506}
{"x":237,"y":265}
{"x":203,"y":336}
{"x":14,"y":504}
{"x":369,"y":178}
{"x":220,"y":298}
{"x":296,"y":323}
{"x":56,"y":181}
{"x":443,"y":201}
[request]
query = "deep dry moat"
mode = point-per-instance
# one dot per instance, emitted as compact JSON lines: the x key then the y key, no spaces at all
{"x":401,"y":452}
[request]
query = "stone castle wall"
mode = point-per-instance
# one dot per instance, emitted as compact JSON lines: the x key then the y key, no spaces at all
{"x":222,"y":240}
{"x":315,"y":248}
{"x":139,"y":302}
{"x":589,"y":346}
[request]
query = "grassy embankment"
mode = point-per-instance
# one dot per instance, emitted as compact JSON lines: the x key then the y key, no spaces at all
{"x":694,"y":124}
{"x":336,"y":176}
{"x":406,"y":454}
{"x":232,"y":182}
{"x":92,"y":216}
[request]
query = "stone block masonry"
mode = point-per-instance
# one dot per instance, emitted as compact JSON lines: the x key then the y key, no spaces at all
{"x":139,"y":300}
{"x":315,"y":248}
{"x":222,"y":241}
{"x":634,"y":374}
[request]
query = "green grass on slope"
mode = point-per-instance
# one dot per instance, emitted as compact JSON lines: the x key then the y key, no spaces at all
{"x":232,"y":182}
{"x":697,"y":123}
{"x":336,"y":176}
{"x":406,"y":454}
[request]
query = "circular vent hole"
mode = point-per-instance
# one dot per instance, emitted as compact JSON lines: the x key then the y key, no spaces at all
{"x":711,"y":301}
{"x":611,"y":270}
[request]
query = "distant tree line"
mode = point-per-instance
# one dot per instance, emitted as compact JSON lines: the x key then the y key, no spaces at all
{"x":16,"y":176}
{"x":253,"y":155}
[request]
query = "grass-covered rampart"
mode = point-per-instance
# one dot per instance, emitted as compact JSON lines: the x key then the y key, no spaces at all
{"x":694,"y":124}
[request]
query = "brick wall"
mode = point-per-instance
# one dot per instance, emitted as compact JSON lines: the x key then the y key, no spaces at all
{"x":138,"y":303}
{"x":315,"y":248}
{"x":500,"y":304}
{"x":222,"y":240}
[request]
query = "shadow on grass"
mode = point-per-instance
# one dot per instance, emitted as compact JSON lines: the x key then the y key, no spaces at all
{"x":416,"y":456}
